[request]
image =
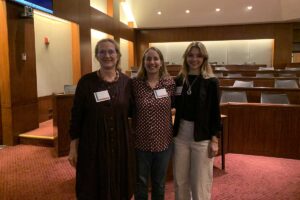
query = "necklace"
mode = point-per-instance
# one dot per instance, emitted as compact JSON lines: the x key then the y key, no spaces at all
{"x":105,"y":79}
{"x":189,"y":90}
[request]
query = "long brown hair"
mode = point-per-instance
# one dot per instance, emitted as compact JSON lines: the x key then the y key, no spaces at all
{"x":163,"y":69}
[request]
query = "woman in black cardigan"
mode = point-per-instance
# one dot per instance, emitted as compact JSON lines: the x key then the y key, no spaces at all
{"x":197,"y":125}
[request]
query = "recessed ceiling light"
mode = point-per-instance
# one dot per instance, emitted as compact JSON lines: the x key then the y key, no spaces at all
{"x":249,"y":7}
{"x":159,"y":12}
{"x":187,"y":11}
{"x":218,"y":9}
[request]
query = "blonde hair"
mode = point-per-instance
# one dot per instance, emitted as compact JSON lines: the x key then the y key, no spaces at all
{"x":142,"y":73}
{"x":117,"y":48}
{"x":205,"y":69}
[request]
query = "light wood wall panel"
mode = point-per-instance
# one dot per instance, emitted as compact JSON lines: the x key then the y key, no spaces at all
{"x":281,"y":32}
{"x":75,"y":53}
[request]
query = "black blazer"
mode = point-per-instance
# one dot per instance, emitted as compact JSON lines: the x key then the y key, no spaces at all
{"x":208,"y":119}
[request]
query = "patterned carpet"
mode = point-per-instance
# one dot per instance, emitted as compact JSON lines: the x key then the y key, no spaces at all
{"x":31,"y":172}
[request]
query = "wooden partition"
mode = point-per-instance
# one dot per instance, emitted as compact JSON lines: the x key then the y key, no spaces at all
{"x":258,"y":82}
{"x":240,"y":67}
{"x":263,"y":129}
{"x":253,"y":94}
{"x":45,"y":108}
{"x":252,"y":73}
{"x":62,"y":105}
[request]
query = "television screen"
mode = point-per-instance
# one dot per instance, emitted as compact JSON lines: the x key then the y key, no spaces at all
{"x":42,"y":5}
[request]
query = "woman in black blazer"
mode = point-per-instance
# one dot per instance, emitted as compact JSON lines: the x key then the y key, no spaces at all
{"x":197,"y":125}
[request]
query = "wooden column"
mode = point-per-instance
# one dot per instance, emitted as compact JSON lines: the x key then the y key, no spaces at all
{"x":18,"y":74}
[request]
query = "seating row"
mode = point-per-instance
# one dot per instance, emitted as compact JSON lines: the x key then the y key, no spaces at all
{"x":253,"y":73}
{"x":259,"y":95}
{"x":277,"y":83}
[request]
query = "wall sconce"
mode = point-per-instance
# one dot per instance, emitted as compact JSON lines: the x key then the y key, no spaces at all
{"x":46,"y":41}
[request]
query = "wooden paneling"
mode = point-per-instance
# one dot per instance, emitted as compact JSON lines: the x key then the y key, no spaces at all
{"x":61,"y":122}
{"x":263,"y":129}
{"x":18,"y":84}
{"x":75,"y":53}
{"x":281,"y":32}
{"x":45,"y":108}
{"x":4,"y":63}
{"x":253,"y":94}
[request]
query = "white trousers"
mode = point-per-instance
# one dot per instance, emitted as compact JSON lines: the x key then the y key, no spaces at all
{"x":193,"y":169}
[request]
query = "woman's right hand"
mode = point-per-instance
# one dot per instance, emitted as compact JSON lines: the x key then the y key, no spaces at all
{"x":73,"y":152}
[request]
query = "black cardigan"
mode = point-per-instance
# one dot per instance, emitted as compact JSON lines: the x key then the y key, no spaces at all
{"x":208,"y":119}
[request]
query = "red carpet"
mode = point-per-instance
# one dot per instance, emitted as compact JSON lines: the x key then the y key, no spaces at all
{"x":45,"y":129}
{"x":31,"y":172}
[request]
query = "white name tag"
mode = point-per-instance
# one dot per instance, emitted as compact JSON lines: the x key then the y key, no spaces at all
{"x":101,"y":96}
{"x":161,"y":93}
{"x":178,"y":90}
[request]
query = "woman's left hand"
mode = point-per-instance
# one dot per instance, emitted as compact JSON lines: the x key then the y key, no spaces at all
{"x":214,"y":147}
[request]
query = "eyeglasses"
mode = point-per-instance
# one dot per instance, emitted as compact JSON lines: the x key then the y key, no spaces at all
{"x":109,"y":52}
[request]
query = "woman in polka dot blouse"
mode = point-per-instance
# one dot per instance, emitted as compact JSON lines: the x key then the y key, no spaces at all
{"x":197,"y":125}
{"x":153,"y":89}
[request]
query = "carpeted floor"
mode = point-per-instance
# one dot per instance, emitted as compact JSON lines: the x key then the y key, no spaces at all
{"x":45,"y":129}
{"x":31,"y":172}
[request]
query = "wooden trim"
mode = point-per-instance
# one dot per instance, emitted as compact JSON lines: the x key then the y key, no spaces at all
{"x":110,"y":8}
{"x":5,"y":95}
{"x":4,"y":55}
{"x":75,"y":53}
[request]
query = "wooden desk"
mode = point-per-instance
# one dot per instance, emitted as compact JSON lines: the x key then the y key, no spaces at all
{"x":62,"y":105}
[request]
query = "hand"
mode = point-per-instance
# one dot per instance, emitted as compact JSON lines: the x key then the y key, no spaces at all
{"x":214,"y":148}
{"x":73,"y":152}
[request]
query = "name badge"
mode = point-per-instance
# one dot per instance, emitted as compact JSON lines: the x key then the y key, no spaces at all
{"x":161,"y":93}
{"x":178,"y":90}
{"x":101,"y":96}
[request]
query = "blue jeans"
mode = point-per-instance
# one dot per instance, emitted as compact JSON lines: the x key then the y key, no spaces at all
{"x":156,"y":165}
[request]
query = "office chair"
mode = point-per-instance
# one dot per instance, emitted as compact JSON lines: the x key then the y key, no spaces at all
{"x":233,"y":96}
{"x":286,"y":84}
{"x":238,"y":83}
{"x":274,"y":98}
{"x":264,"y":75}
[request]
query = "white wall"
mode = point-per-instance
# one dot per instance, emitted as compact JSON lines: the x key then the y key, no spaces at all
{"x":124,"y":52}
{"x":224,"y":52}
{"x":100,"y":5}
{"x":53,"y":61}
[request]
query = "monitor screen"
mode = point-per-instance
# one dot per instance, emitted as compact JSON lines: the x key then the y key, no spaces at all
{"x":42,"y":5}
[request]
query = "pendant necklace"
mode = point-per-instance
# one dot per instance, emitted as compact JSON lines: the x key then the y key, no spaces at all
{"x":189,"y":90}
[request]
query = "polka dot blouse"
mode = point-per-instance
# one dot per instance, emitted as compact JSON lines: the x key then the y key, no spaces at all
{"x":153,"y":118}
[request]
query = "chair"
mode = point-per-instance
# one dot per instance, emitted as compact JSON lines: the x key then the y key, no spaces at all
{"x":221,"y":69}
{"x":286,"y":84}
{"x":234,"y":75}
{"x":274,"y":98}
{"x":292,"y":68}
{"x":247,"y":84}
{"x":265,"y":68}
{"x":233,"y":96}
{"x":69,"y":89}
{"x":264,"y":75}
{"x":287,"y":75}
{"x":218,"y":74}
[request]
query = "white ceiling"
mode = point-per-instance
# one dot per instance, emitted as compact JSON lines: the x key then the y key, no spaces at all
{"x":202,"y":12}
